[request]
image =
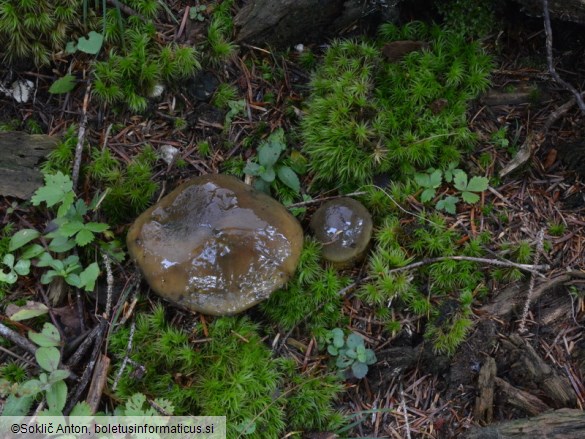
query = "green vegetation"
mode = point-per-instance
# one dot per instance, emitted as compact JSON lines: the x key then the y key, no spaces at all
{"x":71,"y":230}
{"x":472,"y":18}
{"x":34,"y":30}
{"x":231,"y":374}
{"x":50,"y":383}
{"x":350,"y":351}
{"x":368,"y":116}
{"x":268,"y":168}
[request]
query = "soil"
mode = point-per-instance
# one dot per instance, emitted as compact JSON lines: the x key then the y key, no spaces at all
{"x":500,"y":373}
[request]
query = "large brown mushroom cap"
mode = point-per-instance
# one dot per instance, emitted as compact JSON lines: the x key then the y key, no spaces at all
{"x":216,"y":245}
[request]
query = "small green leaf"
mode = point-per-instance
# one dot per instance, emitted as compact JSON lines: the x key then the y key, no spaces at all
{"x":55,"y":190}
{"x":289,"y":177}
{"x":8,"y":260}
{"x":30,"y":388}
{"x":71,"y":228}
{"x":74,"y":280}
{"x":448,"y":204}
{"x":422,"y":180}
{"x":63,"y":85}
{"x":70,"y":47}
{"x":342,"y":362}
{"x":351,"y":353}
{"x":32,"y":251}
{"x":82,"y":408}
{"x":469,"y":197}
{"x":332,"y":350}
{"x":58,"y":375}
{"x":17,"y":406}
{"x":48,"y":358}
{"x":92,"y":44}
{"x":269,"y":151}
{"x":268,"y":175}
{"x":84,"y":237}
{"x":370,"y":357}
{"x":427,"y":195}
{"x":262,"y":186}
{"x":57,"y":396}
{"x":354,"y":340}
{"x":61,"y":244}
{"x":48,"y":337}
{"x":460,"y":181}
{"x":435,"y":178}
{"x":89,"y":276}
{"x":253,"y":169}
{"x":28,"y":311}
{"x":359,"y":370}
{"x":22,"y":267}
{"x":97,"y":227}
{"x":9,"y":278}
{"x":21,"y":238}
{"x":478,"y":184}
{"x":48,"y":276}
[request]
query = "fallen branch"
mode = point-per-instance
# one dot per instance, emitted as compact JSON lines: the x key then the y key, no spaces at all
{"x":81,"y":136}
{"x":17,"y":339}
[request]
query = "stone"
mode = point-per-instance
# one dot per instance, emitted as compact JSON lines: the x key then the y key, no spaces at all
{"x":216,"y":245}
{"x":344,"y":228}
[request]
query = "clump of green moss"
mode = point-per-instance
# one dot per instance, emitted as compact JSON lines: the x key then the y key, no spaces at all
{"x":311,"y":297}
{"x":36,"y":29}
{"x":368,"y":115}
{"x":130,"y":189}
{"x":231,"y":374}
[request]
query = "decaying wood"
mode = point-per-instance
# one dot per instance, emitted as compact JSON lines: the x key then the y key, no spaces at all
{"x":98,"y":382}
{"x":519,"y":399}
{"x":20,"y":153}
{"x":527,"y":367}
{"x":283,"y":23}
{"x":484,"y":402}
{"x":396,"y":50}
{"x":558,"y":424}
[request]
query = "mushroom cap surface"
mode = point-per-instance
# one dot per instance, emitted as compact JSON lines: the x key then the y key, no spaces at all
{"x":216,"y":245}
{"x":344,"y":228}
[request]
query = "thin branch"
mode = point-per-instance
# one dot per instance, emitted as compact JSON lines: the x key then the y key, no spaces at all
{"x":549,"y":58}
{"x":17,"y":339}
{"x":529,"y":297}
{"x":81,"y":136}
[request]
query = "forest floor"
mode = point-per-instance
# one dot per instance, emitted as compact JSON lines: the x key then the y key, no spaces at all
{"x":410,"y":389}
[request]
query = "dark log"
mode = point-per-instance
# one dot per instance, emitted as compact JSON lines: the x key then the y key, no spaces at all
{"x":20,"y":153}
{"x":283,"y":23}
{"x":558,"y":424}
{"x":519,"y":399}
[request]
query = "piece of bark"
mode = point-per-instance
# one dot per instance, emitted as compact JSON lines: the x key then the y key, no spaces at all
{"x":484,"y":402}
{"x":522,"y":93}
{"x":98,"y":383}
{"x":284,"y":23}
{"x":519,"y":399}
{"x":558,"y":424}
{"x":529,"y":369}
{"x":20,"y":153}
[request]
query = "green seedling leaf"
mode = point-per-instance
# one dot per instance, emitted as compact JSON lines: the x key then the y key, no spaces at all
{"x":478,"y":184}
{"x":332,"y":350}
{"x":70,"y":47}
{"x":354,"y":340}
{"x":448,"y":204}
{"x":48,"y":276}
{"x":71,"y":228}
{"x":451,"y":171}
{"x":21,"y":238}
{"x":57,"y":189}
{"x":435,"y":178}
{"x":8,"y":260}
{"x":268,"y":175}
{"x":342,"y":362}
{"x":22,"y":267}
{"x":370,"y":357}
{"x":469,"y":197}
{"x":288,"y":177}
{"x":460,"y":181}
{"x":28,"y":311}
{"x":58,"y":375}
{"x":61,"y":244}
{"x":57,"y":396}
{"x":74,"y":280}
{"x":269,"y":152}
{"x":97,"y":227}
{"x":338,"y":337}
{"x":45,"y":260}
{"x":32,"y":251}
{"x":262,"y":186}
{"x":359,"y":370}
{"x":30,"y":388}
{"x":48,"y":358}
{"x":427,"y":195}
{"x":84,"y":237}
{"x":63,"y":85}
{"x":82,"y":408}
{"x":92,"y":44}
{"x":89,"y":276}
{"x":351,"y":353}
{"x":253,"y":169}
{"x":9,"y":278}
{"x":17,"y":406}
{"x":48,"y":337}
